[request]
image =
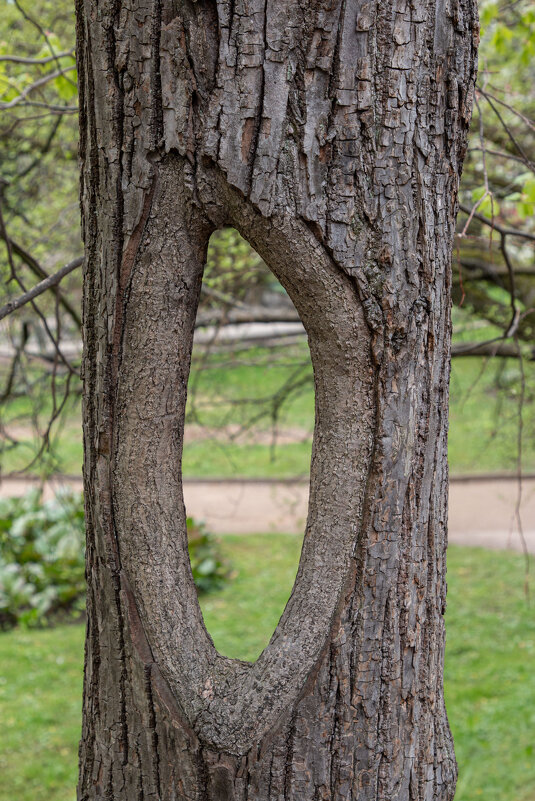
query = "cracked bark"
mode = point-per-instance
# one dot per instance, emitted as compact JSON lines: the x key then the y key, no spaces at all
{"x":331,"y":134}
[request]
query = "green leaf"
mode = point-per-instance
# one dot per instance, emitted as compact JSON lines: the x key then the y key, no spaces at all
{"x":486,"y":203}
{"x":65,"y":88}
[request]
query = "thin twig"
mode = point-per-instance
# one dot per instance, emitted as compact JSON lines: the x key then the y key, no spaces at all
{"x":507,"y":130}
{"x":46,"y":60}
{"x":50,"y":76}
{"x":499,"y":348}
{"x":7,"y":240}
{"x":497,"y":153}
{"x":46,"y":147}
{"x":498,"y":228}
{"x":38,"y":289}
{"x":40,"y":272}
{"x":52,"y":108}
{"x":513,"y":110}
{"x":37,"y":25}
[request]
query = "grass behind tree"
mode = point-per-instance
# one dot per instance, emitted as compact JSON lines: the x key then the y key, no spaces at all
{"x":490,"y":672}
{"x":484,"y":419}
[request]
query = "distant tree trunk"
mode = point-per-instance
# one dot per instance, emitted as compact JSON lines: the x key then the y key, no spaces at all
{"x":331,"y":134}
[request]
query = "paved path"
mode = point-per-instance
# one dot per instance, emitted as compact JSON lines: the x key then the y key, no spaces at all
{"x":482,"y":511}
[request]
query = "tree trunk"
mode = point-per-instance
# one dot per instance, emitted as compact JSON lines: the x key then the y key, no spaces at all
{"x":330,"y":134}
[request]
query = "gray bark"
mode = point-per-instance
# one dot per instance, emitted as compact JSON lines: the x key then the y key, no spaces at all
{"x":331,"y":135}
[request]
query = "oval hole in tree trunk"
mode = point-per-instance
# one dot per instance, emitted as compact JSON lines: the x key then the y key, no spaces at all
{"x":249,"y":425}
{"x":231,"y":701}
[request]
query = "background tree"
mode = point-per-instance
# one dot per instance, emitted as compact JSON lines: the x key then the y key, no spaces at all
{"x":495,"y":261}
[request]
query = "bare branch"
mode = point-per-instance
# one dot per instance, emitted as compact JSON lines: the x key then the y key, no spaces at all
{"x":520,"y":149}
{"x":50,"y":76}
{"x":47,"y":60}
{"x":37,"y":25}
{"x":247,"y":314}
{"x":497,"y":153}
{"x":36,"y":161}
{"x":41,"y":273}
{"x":479,"y":270}
{"x":498,"y":228}
{"x":52,"y":108}
{"x":510,"y":108}
{"x":502,"y":349}
{"x":38,"y":289}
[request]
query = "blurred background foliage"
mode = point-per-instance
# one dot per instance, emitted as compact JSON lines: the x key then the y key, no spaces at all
{"x":250,"y":410}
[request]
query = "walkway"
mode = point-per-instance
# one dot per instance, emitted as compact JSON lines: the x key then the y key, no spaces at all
{"x":482,"y":511}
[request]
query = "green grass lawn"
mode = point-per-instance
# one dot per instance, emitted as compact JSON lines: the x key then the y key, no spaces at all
{"x":225,"y":396}
{"x":490,"y":672}
{"x":40,"y":695}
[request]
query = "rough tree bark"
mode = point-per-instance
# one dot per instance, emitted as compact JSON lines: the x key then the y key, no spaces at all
{"x":331,"y":134}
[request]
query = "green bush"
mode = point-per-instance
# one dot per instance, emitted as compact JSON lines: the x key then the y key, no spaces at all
{"x":42,"y":558}
{"x":209,"y":569}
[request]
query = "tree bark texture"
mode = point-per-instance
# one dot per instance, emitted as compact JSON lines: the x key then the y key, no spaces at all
{"x":330,"y":134}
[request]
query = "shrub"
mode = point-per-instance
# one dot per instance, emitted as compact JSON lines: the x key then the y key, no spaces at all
{"x":209,"y":569}
{"x":42,"y":558}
